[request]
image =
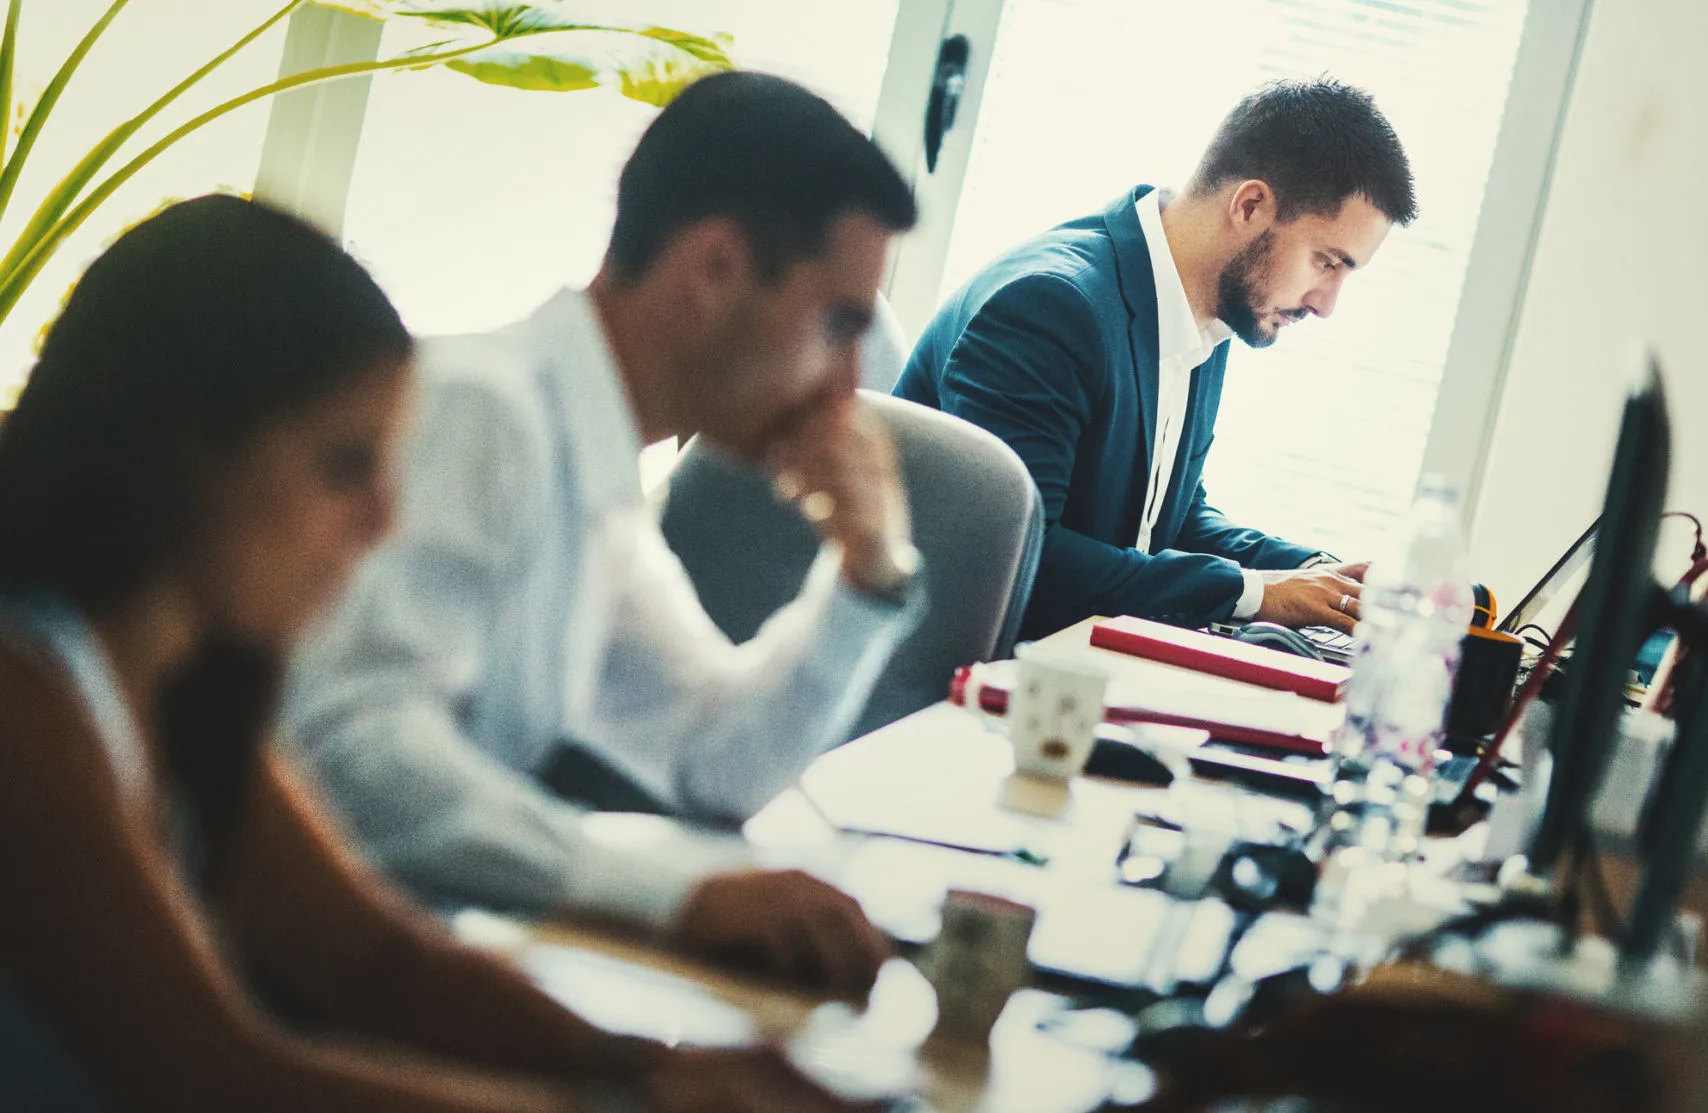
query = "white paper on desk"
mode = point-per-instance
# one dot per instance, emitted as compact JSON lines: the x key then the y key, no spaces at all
{"x":946,"y":791}
{"x":1086,"y":928}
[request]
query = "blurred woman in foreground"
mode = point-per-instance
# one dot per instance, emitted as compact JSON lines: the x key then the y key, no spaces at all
{"x":199,"y":459}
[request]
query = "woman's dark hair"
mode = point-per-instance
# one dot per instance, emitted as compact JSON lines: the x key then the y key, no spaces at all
{"x":193,"y":332}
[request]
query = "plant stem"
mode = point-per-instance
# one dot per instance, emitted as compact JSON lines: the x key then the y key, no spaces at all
{"x":63,"y":194}
{"x":13,"y":284}
{"x":8,"y":58}
{"x":50,"y":97}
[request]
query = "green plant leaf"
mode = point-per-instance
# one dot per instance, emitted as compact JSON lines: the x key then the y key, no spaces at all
{"x":526,"y":45}
{"x":49,"y":98}
{"x":53,"y":206}
{"x":640,"y":66}
{"x":505,"y":19}
{"x":656,"y":77}
{"x":35,"y":255}
{"x":524,"y":69}
{"x":714,"y":49}
{"x":8,"y":55}
{"x":508,"y":19}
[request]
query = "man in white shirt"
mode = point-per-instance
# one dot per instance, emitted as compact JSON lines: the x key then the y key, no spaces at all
{"x":528,"y":600}
{"x":1097,"y":351}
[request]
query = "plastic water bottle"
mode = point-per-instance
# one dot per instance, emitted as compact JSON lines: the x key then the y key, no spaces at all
{"x":1415,"y":610}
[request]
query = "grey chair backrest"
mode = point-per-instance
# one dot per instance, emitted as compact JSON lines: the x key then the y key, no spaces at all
{"x":883,"y":350}
{"x":977,"y":520}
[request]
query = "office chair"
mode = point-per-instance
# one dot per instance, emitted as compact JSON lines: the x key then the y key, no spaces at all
{"x":977,"y":520}
{"x":883,"y":350}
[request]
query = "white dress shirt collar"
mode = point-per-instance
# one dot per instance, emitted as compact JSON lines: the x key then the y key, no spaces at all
{"x":593,"y":401}
{"x":1181,"y":347}
{"x":1178,"y":336}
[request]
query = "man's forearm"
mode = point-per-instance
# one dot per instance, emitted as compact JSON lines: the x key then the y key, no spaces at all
{"x":450,"y":822}
{"x":500,"y":1020}
{"x":800,"y":697}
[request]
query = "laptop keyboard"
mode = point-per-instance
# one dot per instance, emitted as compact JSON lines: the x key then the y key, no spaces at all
{"x":1328,"y":637}
{"x":1335,"y":646}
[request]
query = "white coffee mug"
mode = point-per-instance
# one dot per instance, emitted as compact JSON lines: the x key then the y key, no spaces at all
{"x":1053,"y":712}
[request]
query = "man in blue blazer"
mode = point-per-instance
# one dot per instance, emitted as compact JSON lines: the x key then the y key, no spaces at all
{"x":1096,"y":351}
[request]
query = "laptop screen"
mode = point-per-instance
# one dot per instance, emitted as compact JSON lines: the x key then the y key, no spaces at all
{"x":1572,"y":562}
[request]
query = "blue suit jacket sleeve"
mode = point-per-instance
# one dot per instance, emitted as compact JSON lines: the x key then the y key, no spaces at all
{"x":1206,"y":530}
{"x":1029,"y":368}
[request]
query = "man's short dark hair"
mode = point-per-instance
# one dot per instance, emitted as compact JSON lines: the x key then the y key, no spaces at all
{"x":1316,"y":143}
{"x":761,"y":150}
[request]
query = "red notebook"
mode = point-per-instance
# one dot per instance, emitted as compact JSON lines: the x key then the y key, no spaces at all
{"x":1194,"y":649}
{"x":1261,"y":719}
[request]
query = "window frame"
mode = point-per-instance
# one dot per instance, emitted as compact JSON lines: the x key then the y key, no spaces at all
{"x":1497,"y":273}
{"x":308,"y":158}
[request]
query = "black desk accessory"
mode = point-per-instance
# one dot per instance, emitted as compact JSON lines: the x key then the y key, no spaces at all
{"x":1120,"y":759}
{"x":1257,"y":878}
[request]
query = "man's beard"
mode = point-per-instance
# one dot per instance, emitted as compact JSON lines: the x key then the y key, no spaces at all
{"x":1237,"y":291}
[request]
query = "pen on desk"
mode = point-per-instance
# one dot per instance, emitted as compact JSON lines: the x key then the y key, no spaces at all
{"x":1016,"y":853}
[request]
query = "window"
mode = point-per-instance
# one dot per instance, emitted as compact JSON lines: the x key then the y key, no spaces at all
{"x":1320,"y":437}
{"x":472,"y":203}
{"x":148,"y":49}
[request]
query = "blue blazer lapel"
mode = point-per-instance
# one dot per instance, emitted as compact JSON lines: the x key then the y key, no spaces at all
{"x":1138,"y":290}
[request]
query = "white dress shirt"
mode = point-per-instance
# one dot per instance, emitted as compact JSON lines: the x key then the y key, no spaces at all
{"x":528,"y":597}
{"x":1182,"y":345}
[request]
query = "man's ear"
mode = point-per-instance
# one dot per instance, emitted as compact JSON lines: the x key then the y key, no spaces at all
{"x":711,"y":262}
{"x":1252,"y":205}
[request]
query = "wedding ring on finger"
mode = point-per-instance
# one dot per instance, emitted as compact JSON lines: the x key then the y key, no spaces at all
{"x":1345,"y":604}
{"x":818,"y":506}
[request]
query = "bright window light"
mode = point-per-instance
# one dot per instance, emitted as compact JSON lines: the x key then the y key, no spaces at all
{"x":473,"y":203}
{"x":1321,"y":436}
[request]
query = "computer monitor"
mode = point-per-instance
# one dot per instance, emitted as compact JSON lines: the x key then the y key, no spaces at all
{"x":1619,"y":607}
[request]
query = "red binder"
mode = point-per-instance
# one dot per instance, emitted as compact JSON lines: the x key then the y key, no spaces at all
{"x":1193,"y":649}
{"x":1250,"y":723}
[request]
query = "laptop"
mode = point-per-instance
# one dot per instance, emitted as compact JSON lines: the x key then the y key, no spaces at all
{"x":1338,"y":648}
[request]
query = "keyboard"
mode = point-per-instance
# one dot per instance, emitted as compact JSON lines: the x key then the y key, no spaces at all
{"x":1336,"y":647}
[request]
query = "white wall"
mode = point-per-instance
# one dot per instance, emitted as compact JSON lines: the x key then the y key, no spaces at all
{"x":1622,"y":261}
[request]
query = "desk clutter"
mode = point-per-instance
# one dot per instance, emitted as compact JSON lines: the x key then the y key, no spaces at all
{"x":1225,"y":924}
{"x":1188,"y":943}
{"x":1119,"y":873}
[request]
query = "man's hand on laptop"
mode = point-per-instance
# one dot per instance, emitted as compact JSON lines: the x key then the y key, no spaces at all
{"x":1323,"y":595}
{"x":784,"y":923}
{"x":839,"y":466}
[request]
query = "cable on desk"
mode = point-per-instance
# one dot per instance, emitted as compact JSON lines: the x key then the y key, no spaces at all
{"x":1698,"y":550}
{"x":1546,"y":633}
